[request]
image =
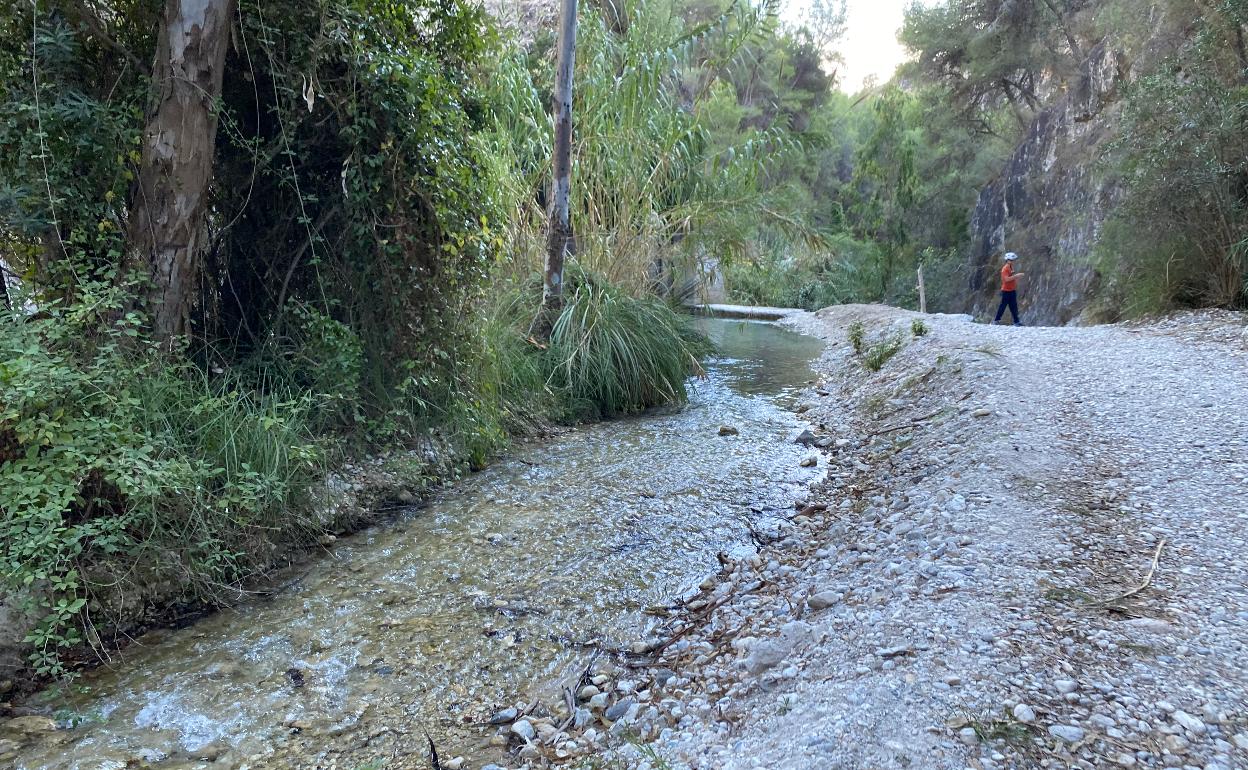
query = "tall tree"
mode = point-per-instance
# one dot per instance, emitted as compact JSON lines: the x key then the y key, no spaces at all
{"x":559,"y":228}
{"x":170,"y":204}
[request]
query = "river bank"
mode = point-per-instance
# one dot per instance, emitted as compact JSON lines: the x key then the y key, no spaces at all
{"x":1011,"y":564}
{"x":501,"y":587}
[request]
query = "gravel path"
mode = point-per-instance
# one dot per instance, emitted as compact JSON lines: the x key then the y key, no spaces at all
{"x":971,"y":597}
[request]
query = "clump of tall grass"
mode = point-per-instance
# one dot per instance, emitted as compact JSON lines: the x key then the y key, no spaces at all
{"x":611,"y":353}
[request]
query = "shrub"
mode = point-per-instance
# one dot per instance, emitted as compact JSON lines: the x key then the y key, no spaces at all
{"x":613,"y":354}
{"x":1180,"y":237}
{"x":857,"y":335}
{"x":918,"y":328}
{"x":121,"y":471}
{"x":881,"y":352}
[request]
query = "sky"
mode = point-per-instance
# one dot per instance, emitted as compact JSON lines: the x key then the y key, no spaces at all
{"x":870,"y":46}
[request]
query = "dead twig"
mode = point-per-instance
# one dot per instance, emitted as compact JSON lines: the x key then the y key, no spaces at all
{"x":1148,"y":578}
{"x":433,"y":754}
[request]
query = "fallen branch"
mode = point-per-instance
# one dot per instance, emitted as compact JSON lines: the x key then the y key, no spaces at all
{"x":1148,"y":579}
{"x":703,"y":614}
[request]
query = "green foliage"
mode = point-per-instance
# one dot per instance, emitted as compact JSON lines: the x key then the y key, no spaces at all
{"x":653,"y":190}
{"x":918,"y":328}
{"x":119,"y":471}
{"x":1180,"y":237}
{"x":880,"y":353}
{"x":613,"y":354}
{"x":884,"y":174}
{"x":857,"y":335}
{"x":992,"y":56}
{"x":68,"y":141}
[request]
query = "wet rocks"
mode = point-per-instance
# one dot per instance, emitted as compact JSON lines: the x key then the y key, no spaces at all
{"x":31,"y":725}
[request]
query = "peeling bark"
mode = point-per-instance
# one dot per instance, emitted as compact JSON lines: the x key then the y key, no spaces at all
{"x":170,"y":204}
{"x":559,"y":234}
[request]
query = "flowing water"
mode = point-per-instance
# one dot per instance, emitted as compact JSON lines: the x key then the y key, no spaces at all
{"x":482,"y":596}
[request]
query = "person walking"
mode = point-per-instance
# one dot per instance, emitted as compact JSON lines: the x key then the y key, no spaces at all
{"x":1009,"y":290}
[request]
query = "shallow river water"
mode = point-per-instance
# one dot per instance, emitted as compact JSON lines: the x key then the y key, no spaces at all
{"x":463,"y":605}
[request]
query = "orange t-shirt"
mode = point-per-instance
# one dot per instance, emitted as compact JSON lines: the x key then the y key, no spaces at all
{"x":1008,"y":281}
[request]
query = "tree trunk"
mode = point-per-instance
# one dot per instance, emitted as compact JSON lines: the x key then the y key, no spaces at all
{"x":170,"y":206}
{"x":559,"y":232}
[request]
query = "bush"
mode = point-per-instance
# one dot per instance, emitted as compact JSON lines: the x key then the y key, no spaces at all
{"x":613,"y":354}
{"x":1180,"y":237}
{"x":881,"y":352}
{"x":918,"y":328}
{"x":120,"y":471}
{"x":857,"y":334}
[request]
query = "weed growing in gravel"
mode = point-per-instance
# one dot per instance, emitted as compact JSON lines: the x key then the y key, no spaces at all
{"x":918,"y":328}
{"x":1067,"y":595}
{"x":786,"y":705}
{"x":879,"y":353}
{"x":1010,"y":731}
{"x":857,"y":335}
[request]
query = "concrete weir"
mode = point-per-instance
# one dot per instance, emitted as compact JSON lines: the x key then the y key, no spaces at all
{"x":748,"y":312}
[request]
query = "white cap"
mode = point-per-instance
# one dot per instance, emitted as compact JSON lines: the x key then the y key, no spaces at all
{"x":1010,"y":256}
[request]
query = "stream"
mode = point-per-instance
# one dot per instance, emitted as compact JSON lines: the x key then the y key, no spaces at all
{"x":485,"y":594}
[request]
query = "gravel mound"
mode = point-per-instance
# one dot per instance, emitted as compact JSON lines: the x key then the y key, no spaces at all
{"x":1031,"y":551}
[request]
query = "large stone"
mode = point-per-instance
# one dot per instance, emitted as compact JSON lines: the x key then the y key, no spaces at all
{"x":765,"y":654}
{"x":619,"y":709}
{"x":1024,"y":713}
{"x":823,"y":600}
{"x":524,"y":729}
{"x":1190,"y":723}
{"x":1068,"y":733}
{"x":505,"y":716}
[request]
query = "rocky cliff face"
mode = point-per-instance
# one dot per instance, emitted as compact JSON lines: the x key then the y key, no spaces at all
{"x":1051,"y":199}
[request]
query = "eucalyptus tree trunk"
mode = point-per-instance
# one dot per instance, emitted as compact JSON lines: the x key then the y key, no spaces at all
{"x":559,"y":226}
{"x":170,"y":206}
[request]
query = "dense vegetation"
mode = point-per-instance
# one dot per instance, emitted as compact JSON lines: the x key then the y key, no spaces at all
{"x":363,"y":267}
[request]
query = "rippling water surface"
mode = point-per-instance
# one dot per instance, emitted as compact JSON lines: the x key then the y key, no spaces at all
{"x":468,"y":602}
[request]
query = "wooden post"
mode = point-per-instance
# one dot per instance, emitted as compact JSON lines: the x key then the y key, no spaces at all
{"x":922,"y":292}
{"x":559,"y":233}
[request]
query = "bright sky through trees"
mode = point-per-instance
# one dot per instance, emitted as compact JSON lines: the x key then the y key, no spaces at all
{"x":870,"y":47}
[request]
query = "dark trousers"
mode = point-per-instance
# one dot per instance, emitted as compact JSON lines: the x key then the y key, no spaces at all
{"x":1008,"y":299}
